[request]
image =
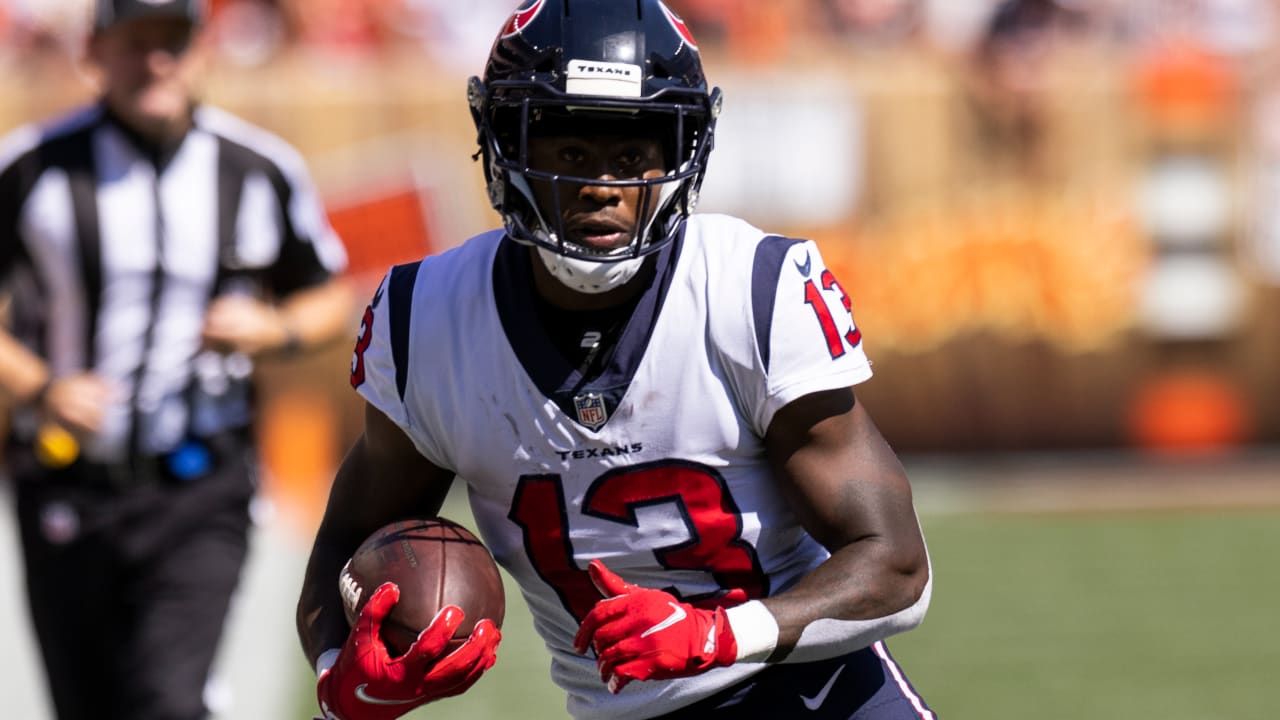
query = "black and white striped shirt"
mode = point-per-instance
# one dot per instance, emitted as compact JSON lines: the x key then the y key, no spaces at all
{"x":112,"y":250}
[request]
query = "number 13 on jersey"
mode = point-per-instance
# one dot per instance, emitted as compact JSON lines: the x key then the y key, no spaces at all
{"x":715,"y":544}
{"x":814,"y":297}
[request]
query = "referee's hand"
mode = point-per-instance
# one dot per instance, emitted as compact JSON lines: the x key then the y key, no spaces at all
{"x":242,"y":324}
{"x":78,"y":403}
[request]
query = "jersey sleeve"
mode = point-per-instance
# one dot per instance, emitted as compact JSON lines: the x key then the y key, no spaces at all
{"x":380,"y":361}
{"x":804,"y":330}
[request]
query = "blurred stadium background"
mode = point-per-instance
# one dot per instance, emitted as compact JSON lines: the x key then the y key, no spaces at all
{"x":1060,"y":224}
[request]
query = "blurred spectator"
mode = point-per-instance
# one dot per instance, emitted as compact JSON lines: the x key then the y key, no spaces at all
{"x":248,"y":32}
{"x":954,"y":25}
{"x":872,"y":23}
{"x":342,"y":28}
{"x":1008,"y":80}
{"x":30,"y":28}
{"x":1230,"y":27}
{"x":753,"y":32}
{"x":451,"y":33}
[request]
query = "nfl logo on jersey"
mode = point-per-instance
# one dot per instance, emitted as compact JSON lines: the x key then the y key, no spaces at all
{"x":591,"y":412}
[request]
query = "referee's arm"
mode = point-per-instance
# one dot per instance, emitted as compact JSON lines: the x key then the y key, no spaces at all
{"x":24,"y":377}
{"x":304,"y":319}
{"x":23,"y":374}
{"x":313,"y":302}
{"x":76,"y":402}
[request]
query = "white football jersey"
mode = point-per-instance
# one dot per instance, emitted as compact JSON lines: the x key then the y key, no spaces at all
{"x":657,"y":466}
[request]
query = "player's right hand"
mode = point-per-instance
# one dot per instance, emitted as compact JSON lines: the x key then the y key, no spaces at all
{"x":366,"y":683}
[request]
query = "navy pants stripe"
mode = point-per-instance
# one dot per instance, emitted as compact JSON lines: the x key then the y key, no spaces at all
{"x":863,"y":685}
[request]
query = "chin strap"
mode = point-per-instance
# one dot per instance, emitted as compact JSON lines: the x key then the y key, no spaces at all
{"x":589,"y":277}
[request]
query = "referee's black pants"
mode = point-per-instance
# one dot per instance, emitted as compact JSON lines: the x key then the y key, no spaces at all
{"x":129,"y":586}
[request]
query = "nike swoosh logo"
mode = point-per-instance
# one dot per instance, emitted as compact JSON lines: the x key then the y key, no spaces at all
{"x":677,"y":614}
{"x":806,"y":266}
{"x":816,"y":701}
{"x":365,"y":697}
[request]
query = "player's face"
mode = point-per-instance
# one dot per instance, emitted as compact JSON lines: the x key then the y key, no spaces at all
{"x":597,"y":217}
{"x":148,"y":70}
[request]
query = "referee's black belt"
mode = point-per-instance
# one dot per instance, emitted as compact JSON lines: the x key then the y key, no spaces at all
{"x":191,"y":460}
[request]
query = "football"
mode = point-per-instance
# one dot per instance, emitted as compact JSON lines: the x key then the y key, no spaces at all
{"x":436,"y":562}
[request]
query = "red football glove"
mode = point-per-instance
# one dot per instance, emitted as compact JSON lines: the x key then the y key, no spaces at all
{"x":365,"y":683}
{"x":644,"y":634}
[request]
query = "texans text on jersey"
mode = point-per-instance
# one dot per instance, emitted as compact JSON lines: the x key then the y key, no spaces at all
{"x":632,"y":449}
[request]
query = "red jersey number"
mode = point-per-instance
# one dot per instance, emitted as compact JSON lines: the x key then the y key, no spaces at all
{"x":715,"y":542}
{"x":363,"y":340}
{"x":813,"y":297}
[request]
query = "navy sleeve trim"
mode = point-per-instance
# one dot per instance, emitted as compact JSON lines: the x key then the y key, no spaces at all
{"x":399,"y":309}
{"x":764,"y":287}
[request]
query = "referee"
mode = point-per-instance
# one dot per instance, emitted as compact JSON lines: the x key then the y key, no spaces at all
{"x":152,"y":247}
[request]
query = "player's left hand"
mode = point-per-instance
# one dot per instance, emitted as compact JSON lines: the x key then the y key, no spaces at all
{"x":644,"y":634}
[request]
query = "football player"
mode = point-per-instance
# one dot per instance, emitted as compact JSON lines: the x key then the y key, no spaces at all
{"x":652,"y":412}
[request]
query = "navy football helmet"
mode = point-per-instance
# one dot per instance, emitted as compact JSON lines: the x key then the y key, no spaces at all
{"x":588,"y":61}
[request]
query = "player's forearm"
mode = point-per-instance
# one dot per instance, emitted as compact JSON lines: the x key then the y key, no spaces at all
{"x":321,"y":622}
{"x":866,"y":592}
{"x":322,"y":625}
{"x":356,"y":506}
{"x":865,"y":579}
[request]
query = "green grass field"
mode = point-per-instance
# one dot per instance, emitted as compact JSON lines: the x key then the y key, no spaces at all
{"x":1055,"y":616}
{"x":1169,"y":616}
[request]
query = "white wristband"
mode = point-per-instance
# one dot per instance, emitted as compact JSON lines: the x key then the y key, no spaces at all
{"x":326,"y":660}
{"x":755,"y":629}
